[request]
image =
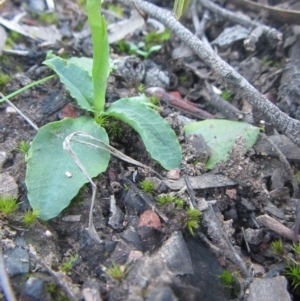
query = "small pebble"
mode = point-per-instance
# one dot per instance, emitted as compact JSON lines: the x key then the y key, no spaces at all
{"x":173,"y":174}
{"x":71,"y":218}
{"x":150,"y":218}
{"x":10,"y":111}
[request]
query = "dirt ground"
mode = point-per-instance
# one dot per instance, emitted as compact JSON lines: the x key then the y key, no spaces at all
{"x":157,"y":257}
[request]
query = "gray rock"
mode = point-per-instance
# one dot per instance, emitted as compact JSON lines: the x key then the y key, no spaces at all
{"x":116,"y":218}
{"x":269,"y":289}
{"x":91,"y":290}
{"x":160,"y":293}
{"x":132,"y":69}
{"x":254,"y":236}
{"x":198,"y":149}
{"x":275,"y":211}
{"x":247,"y":204}
{"x":16,"y":261}
{"x":34,"y":289}
{"x":3,"y":157}
{"x":231,"y":214}
{"x":286,"y":146}
{"x":156,"y":78}
{"x":277,"y":179}
{"x":231,"y":35}
{"x":275,"y":270}
{"x":132,"y":237}
{"x":37,"y":5}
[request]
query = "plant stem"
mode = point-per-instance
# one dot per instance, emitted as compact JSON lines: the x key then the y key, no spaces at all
{"x":100,"y":54}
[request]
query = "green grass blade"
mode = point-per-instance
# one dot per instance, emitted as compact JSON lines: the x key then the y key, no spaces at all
{"x":26,"y":88}
{"x":100,"y":53}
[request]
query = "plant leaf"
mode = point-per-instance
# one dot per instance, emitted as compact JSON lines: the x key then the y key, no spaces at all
{"x":50,"y":190}
{"x":159,"y":138}
{"x":100,"y":53}
{"x":85,"y":63}
{"x":179,"y":7}
{"x":220,"y":136}
{"x":76,"y":79}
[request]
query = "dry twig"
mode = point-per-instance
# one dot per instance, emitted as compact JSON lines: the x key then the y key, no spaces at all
{"x":20,"y":112}
{"x":272,"y":224}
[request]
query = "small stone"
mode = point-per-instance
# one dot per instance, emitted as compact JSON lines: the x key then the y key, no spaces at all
{"x":160,"y":293}
{"x":258,"y":270}
{"x":131,"y":236}
{"x":16,"y":261}
{"x":134,"y":256}
{"x":231,"y":214}
{"x":269,"y":289}
{"x":34,"y":289}
{"x":72,"y":218}
{"x":10,"y":111}
{"x":91,"y":290}
{"x":247,"y":204}
{"x":254,"y":236}
{"x":275,"y":211}
{"x":150,"y":218}
{"x":116,"y":218}
{"x":48,"y":234}
{"x":3,"y":157}
{"x":132,"y":69}
{"x":202,"y":204}
{"x":8,"y":185}
{"x":150,"y":238}
{"x":231,"y":193}
{"x":154,"y":77}
{"x":198,"y":150}
{"x":173,"y":174}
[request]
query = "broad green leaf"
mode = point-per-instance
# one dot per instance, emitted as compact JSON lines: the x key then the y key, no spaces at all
{"x":159,"y":138}
{"x":50,"y":190}
{"x":100,"y":53}
{"x":220,"y":136}
{"x":87,"y":64}
{"x":76,"y":79}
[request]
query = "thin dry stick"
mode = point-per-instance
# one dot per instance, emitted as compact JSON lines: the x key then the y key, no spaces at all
{"x":200,"y":26}
{"x":67,"y":147}
{"x":20,"y":112}
{"x":190,"y":191}
{"x":232,"y":78}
